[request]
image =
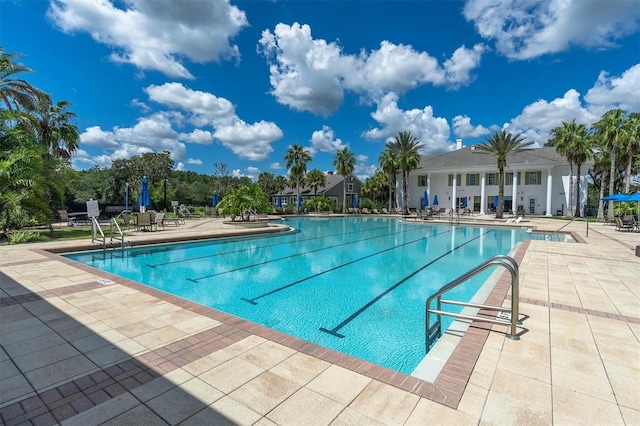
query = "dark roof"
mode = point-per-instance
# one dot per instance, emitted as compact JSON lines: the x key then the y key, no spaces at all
{"x":331,"y":181}
{"x":469,"y":157}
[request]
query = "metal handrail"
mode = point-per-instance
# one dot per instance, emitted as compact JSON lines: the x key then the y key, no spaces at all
{"x":96,"y":225}
{"x":500,"y":260}
{"x":120,"y":235}
{"x":573,"y":220}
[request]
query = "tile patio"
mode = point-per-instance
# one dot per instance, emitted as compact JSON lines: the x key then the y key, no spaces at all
{"x":75,"y":351}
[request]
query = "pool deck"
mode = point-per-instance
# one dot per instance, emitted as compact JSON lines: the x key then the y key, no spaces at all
{"x":82,"y":347}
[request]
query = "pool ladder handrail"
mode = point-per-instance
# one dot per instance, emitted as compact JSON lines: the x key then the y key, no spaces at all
{"x":434,"y":331}
{"x":113,"y":223}
{"x":573,"y":220}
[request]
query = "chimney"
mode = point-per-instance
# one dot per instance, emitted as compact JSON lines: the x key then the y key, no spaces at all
{"x":458,"y":144}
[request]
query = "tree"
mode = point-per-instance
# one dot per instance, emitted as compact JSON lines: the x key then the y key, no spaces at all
{"x":344,"y":163}
{"x":296,"y":160}
{"x":406,"y":149}
{"x":267,"y":182}
{"x":609,"y":131}
{"x":315,"y":179}
{"x":500,"y":145}
{"x":244,"y":201}
{"x":54,"y":127}
{"x":572,"y":141}
{"x":389,"y":164}
{"x":632,"y":139}
{"x":15,"y":93}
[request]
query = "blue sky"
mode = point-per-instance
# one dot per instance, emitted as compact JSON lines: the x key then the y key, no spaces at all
{"x":237,"y":82}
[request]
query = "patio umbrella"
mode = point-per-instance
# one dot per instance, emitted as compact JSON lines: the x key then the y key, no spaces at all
{"x":299,"y":201}
{"x":425,"y":199}
{"x":633,"y":197}
{"x":144,"y":201}
{"x":279,"y":201}
{"x":355,"y":200}
{"x":496,"y":200}
{"x":464,"y":203}
{"x":215,"y":199}
{"x":435,"y":200}
{"x":615,"y":197}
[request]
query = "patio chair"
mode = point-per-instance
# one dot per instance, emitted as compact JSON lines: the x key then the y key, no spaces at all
{"x":64,"y":217}
{"x":385,"y":211}
{"x":159,"y":220}
{"x":144,"y":222}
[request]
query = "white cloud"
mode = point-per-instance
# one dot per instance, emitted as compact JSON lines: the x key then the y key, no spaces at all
{"x":325,"y":140}
{"x":463,"y":128}
{"x":310,"y":74}
{"x":157,"y":34}
{"x":250,"y":141}
{"x":195,"y":161}
{"x":275,"y":166}
{"x":537,"y":119}
{"x":180,"y":166}
{"x":362,"y":158}
{"x":253,"y":173}
{"x":432,"y":131}
{"x":528,"y":29}
{"x":615,"y":92}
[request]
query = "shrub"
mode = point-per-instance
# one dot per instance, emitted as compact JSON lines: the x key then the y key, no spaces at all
{"x":28,"y":236}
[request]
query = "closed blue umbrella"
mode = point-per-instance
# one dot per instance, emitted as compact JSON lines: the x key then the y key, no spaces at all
{"x":496,"y":200}
{"x":145,"y":200}
{"x":425,"y":199}
{"x":355,"y":200}
{"x":435,"y":200}
{"x":215,"y":199}
{"x":279,"y":201}
{"x":464,"y":202}
{"x":299,"y":201}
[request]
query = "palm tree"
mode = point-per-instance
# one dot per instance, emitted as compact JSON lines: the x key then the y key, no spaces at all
{"x":389,"y":164}
{"x":406,"y":149}
{"x":345,"y":163}
{"x":296,"y":160}
{"x":600,"y":168}
{"x":500,"y":145}
{"x":53,"y":125}
{"x":632,"y":137}
{"x":15,"y":93}
{"x":572,"y":140}
{"x":315,"y":179}
{"x":610,"y":132}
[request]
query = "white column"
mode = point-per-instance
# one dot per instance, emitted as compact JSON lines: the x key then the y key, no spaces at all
{"x":483,"y":195}
{"x":429,"y":188}
{"x":514,"y":193}
{"x":549,"y":187}
{"x":454,"y":192}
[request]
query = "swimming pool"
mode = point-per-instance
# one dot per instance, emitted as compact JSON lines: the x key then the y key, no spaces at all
{"x":357,"y":284}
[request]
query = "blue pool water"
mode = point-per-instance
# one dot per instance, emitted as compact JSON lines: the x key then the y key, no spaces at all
{"x":357,"y":284}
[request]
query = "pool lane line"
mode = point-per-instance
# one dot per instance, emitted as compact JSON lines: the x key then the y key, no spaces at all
{"x":195,"y":280}
{"x":276,"y":290}
{"x":334,"y":330}
{"x":153,"y":265}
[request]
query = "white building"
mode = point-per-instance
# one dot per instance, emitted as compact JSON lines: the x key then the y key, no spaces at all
{"x":536,"y":182}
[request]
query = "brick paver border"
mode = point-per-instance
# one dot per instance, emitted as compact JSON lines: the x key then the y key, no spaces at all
{"x":71,"y":398}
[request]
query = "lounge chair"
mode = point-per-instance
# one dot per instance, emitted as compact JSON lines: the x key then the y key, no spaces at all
{"x":624,"y":225}
{"x":184,"y":211}
{"x":514,"y":220}
{"x":385,"y":211}
{"x":376,"y":211}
